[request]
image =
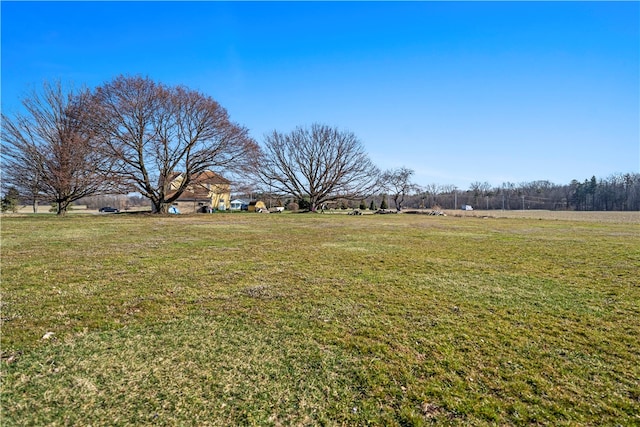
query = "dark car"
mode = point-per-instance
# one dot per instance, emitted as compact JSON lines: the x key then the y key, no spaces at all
{"x":109,"y":209}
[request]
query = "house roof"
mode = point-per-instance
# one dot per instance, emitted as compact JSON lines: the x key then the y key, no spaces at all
{"x":206,"y":177}
{"x":210,"y":177}
{"x":198,"y":193}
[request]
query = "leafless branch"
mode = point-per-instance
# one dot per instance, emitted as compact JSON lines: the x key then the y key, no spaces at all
{"x":319,"y":163}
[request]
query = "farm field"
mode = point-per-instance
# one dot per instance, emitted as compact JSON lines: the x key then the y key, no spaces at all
{"x":309,"y":319}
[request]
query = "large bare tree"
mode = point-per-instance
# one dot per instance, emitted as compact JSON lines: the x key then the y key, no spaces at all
{"x":153,"y":131}
{"x":398,"y":183}
{"x":49,"y":151}
{"x":318,"y":164}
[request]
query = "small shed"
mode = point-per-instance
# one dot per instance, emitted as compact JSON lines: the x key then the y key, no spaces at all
{"x":257,"y":206}
{"x":467,"y":208}
{"x":236,"y":205}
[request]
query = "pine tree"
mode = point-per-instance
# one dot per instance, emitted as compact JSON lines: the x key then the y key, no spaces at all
{"x":384,"y":205}
{"x":10,"y":200}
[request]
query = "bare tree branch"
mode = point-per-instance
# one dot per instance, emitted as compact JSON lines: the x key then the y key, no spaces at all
{"x":152,"y":132}
{"x":319,"y":163}
{"x":398,"y":183}
{"x":50,"y":153}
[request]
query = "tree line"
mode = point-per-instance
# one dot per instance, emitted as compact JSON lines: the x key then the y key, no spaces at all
{"x":132,"y":135}
{"x":617,"y":192}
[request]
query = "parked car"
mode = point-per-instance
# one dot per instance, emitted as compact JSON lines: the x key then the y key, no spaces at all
{"x":108,"y":209}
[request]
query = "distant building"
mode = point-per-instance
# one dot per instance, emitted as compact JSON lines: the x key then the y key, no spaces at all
{"x":257,"y":206}
{"x":237,"y":205}
{"x":206,"y":192}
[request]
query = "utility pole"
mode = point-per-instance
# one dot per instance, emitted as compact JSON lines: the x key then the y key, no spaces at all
{"x":523,"y":202}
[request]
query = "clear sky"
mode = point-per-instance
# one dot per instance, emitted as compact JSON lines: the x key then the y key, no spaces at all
{"x":457,"y":91}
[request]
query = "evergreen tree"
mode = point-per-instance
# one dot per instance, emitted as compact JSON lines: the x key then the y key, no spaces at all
{"x":10,"y":200}
{"x":373,"y":206}
{"x":384,"y":205}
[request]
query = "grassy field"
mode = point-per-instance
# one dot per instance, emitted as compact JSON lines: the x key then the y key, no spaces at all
{"x":302,"y":319}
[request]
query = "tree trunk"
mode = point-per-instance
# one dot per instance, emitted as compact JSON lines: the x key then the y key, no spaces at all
{"x":62,"y":208}
{"x":161,"y":207}
{"x":313,"y":205}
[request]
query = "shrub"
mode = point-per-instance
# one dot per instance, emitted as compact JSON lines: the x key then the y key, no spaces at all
{"x":304,"y":204}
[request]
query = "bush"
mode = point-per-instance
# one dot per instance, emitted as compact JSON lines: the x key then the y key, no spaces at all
{"x":304,"y":204}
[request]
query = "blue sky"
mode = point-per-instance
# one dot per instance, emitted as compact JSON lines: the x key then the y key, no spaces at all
{"x":457,"y":91}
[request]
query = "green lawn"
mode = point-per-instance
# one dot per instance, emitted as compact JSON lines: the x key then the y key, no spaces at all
{"x":308,"y":319}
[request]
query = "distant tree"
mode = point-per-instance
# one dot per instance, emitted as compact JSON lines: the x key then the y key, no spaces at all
{"x":591,"y":189}
{"x":616,"y":192}
{"x":431,"y":192}
{"x":447,"y":196}
{"x":136,"y":200}
{"x":631,"y":190}
{"x":51,"y":152}
{"x":578,"y":195}
{"x":152,"y":131}
{"x":363,"y":205}
{"x":383,"y":204}
{"x":372,"y":205}
{"x":319,"y":164}
{"x":605,"y":195}
{"x":10,"y":200}
{"x":508,"y":190}
{"x":479,"y":189}
{"x":119,"y":201}
{"x":398,"y":183}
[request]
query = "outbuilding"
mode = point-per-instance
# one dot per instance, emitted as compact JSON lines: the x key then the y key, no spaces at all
{"x":257,"y":206}
{"x":237,"y":204}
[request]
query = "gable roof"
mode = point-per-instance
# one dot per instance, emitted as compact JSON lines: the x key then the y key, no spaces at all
{"x":206,"y":177}
{"x":209,"y":177}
